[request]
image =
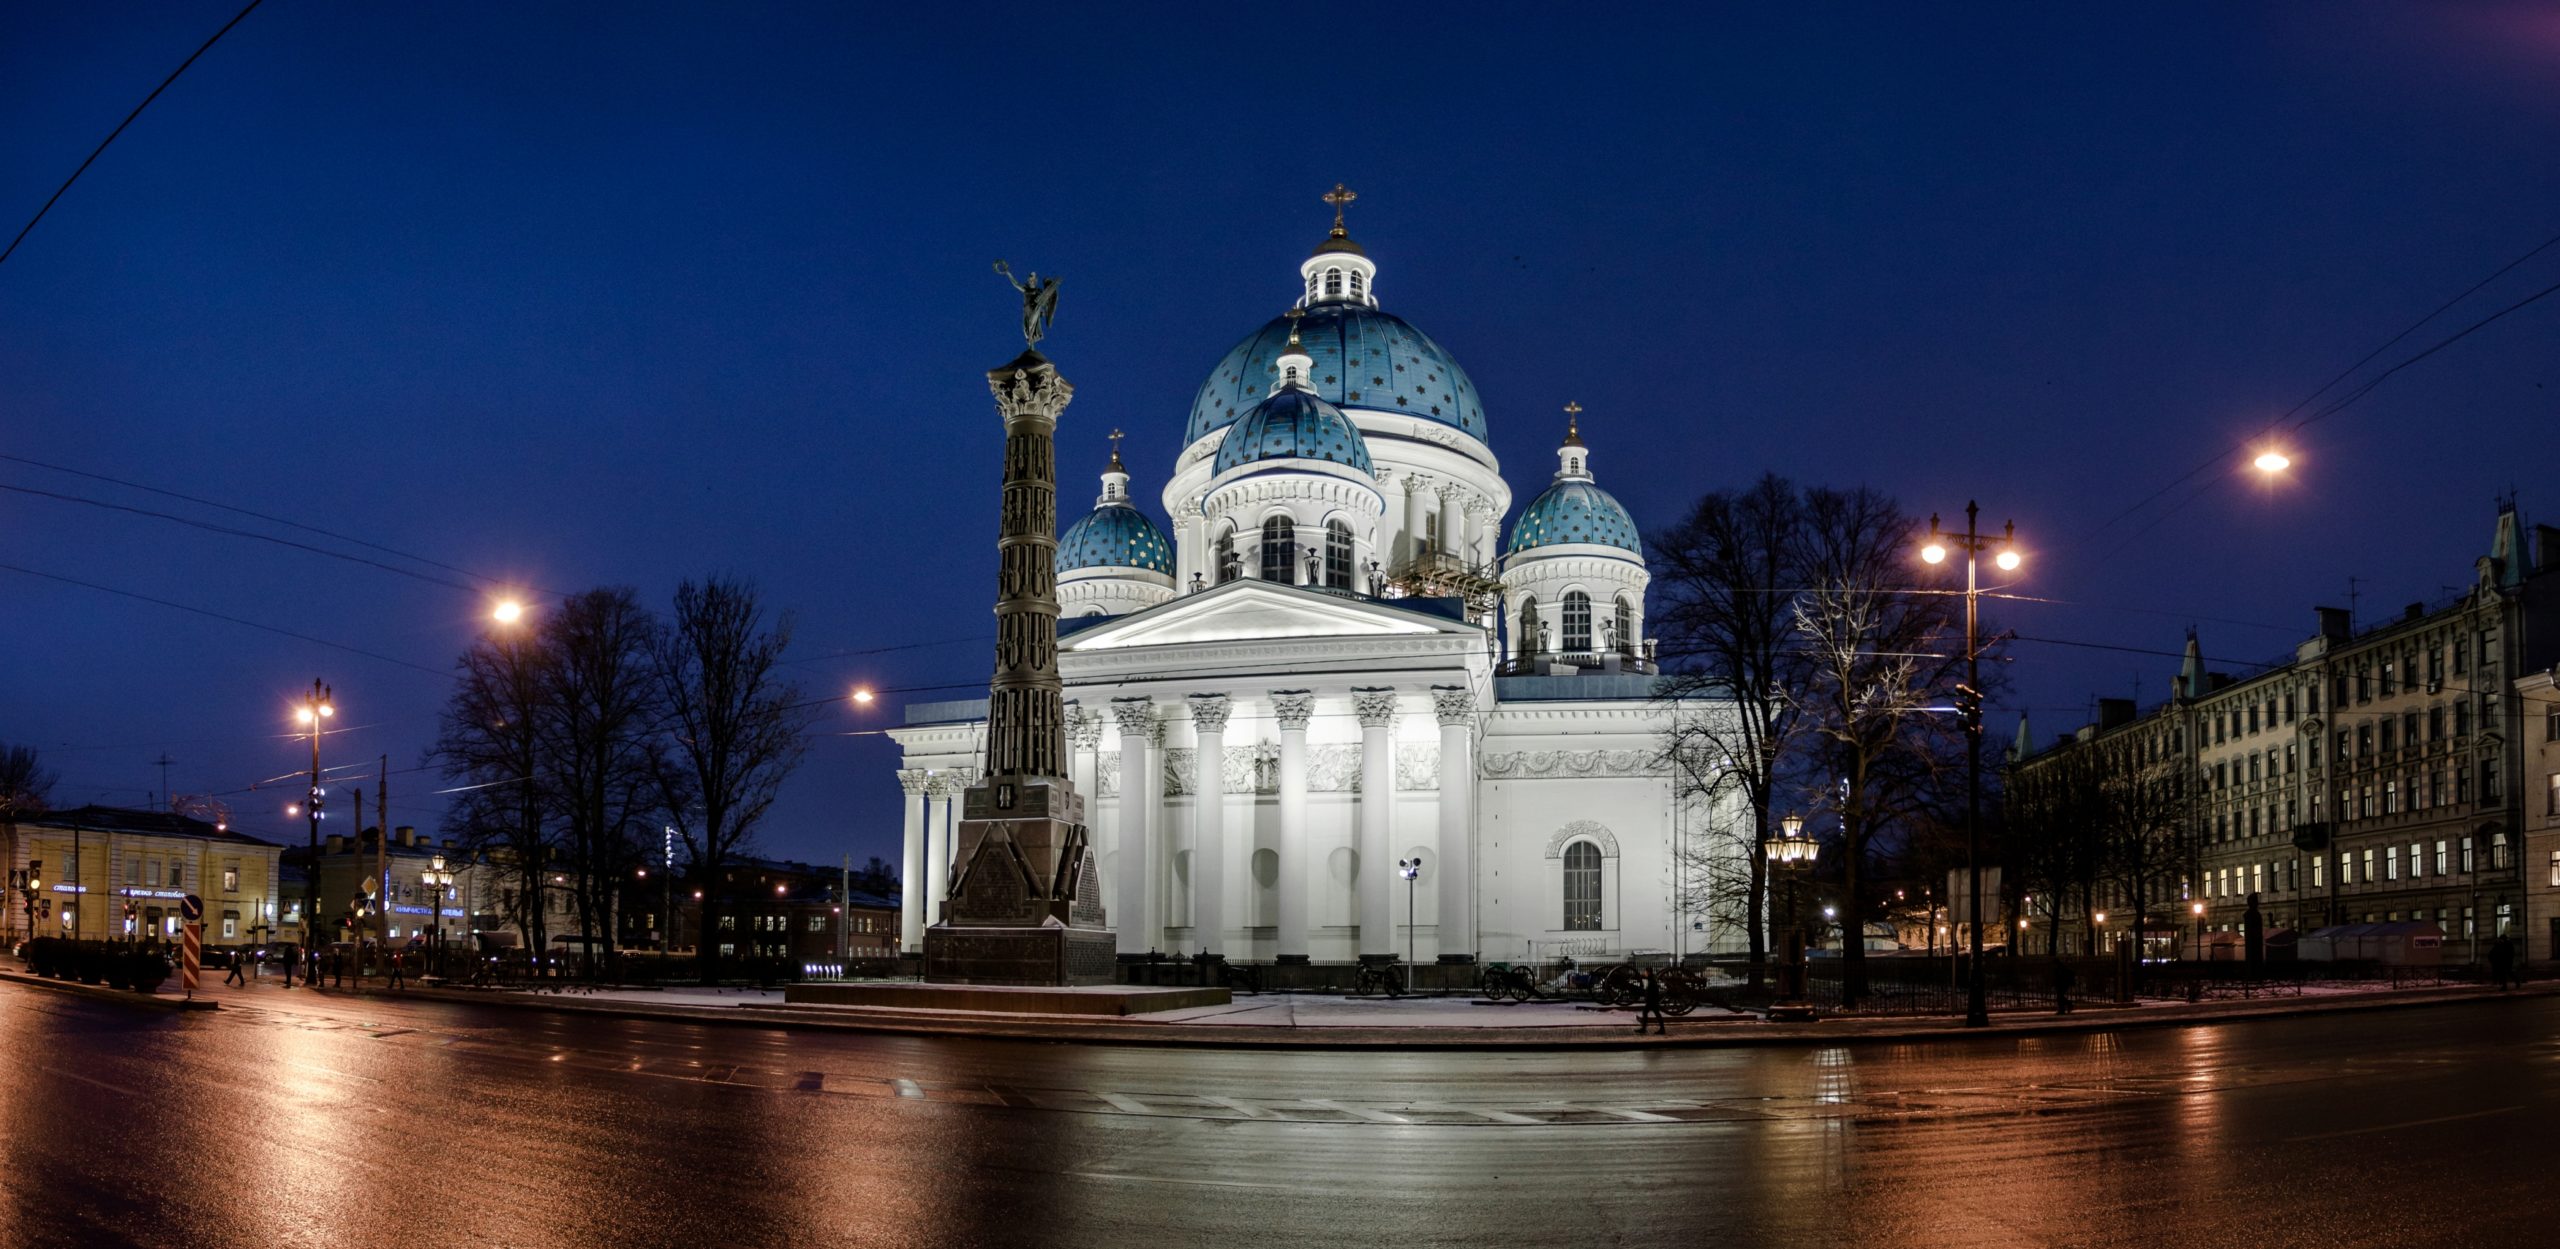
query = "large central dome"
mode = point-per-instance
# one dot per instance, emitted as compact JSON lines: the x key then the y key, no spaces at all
{"x":1364,"y":358}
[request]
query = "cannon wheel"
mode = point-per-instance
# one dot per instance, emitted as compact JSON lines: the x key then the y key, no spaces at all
{"x":1621,"y":985}
{"x":1680,"y":991}
{"x":1516,"y":984}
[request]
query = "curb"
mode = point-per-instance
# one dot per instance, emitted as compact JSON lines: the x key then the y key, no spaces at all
{"x":1718,"y":1034}
{"x":101,"y":993}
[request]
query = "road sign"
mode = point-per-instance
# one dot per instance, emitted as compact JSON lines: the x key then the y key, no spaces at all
{"x":191,"y":908}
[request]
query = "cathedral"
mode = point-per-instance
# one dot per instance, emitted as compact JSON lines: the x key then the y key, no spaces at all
{"x":1335,"y":710}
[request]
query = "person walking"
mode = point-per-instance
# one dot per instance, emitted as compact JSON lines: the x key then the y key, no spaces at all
{"x":1651,"y":1008}
{"x":2063,"y":979}
{"x":392,"y":962}
{"x":238,"y":974}
{"x":2502,"y":961}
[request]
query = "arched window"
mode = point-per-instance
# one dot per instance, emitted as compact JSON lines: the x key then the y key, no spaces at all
{"x":1333,"y":283}
{"x":1626,"y":622}
{"x":1527,"y":641}
{"x":1577,"y":623}
{"x":1582,"y":887}
{"x":1228,"y":567}
{"x":1337,"y":555}
{"x":1356,"y":291}
{"x":1279,"y":541}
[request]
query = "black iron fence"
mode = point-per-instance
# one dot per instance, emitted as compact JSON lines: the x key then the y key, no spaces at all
{"x":1935,"y":986}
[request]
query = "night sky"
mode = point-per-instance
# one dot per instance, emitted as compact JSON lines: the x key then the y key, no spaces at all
{"x":628,"y":294}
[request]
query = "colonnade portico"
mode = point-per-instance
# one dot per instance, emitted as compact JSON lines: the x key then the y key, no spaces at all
{"x":1305,"y":897}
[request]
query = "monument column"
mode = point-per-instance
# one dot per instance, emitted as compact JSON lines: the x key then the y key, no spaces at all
{"x":1293,"y":709}
{"x":1209,"y":714}
{"x":1021,"y":905}
{"x":1136,"y":921}
{"x":1376,"y":707}
{"x":911,"y":886}
{"x":1456,"y":707}
{"x":940,"y":788}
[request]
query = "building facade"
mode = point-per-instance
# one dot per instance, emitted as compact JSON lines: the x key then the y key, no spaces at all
{"x":412,"y":911}
{"x":1339,"y":713}
{"x":111,"y":873}
{"x":2373,"y":776}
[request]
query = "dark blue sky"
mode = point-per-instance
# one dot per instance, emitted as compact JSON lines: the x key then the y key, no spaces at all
{"x":627,"y":294}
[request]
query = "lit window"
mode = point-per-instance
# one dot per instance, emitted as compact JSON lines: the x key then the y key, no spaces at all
{"x":231,"y":877}
{"x":1577,"y":623}
{"x":1333,"y":283}
{"x":1337,"y":555}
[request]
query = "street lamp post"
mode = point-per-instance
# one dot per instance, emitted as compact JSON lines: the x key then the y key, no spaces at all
{"x":2198,"y":909}
{"x":1792,"y":853}
{"x":1411,"y":870}
{"x":1976,"y":1013}
{"x":315,"y":709}
{"x":437,"y":879}
{"x":29,"y":882}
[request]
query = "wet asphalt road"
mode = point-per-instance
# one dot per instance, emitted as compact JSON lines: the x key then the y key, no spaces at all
{"x":331,"y":1121}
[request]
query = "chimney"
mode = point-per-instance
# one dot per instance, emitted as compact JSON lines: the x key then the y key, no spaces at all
{"x":2114,"y":713}
{"x":334,"y":843}
{"x":2333,"y":623}
{"x":2546,"y":548}
{"x":2414,"y":611}
{"x":407,"y":834}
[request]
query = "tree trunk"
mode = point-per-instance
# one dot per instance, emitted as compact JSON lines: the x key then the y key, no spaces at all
{"x":1757,"y":920}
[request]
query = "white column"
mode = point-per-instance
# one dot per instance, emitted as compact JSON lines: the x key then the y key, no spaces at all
{"x":1456,"y":707}
{"x":1294,"y":708}
{"x":1084,"y":744}
{"x":939,"y":790}
{"x":1376,"y":707}
{"x":1209,"y":714}
{"x":1453,"y":521}
{"x":911,"y":881}
{"x":1410,"y":545}
{"x":1135,"y":922}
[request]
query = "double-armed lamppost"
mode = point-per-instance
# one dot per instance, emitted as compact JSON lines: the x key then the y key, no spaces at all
{"x":1977,"y":1013}
{"x":315,"y":710}
{"x":1792,"y":854}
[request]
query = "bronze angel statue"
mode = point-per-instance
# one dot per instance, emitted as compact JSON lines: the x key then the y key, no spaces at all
{"x":1039,"y":303}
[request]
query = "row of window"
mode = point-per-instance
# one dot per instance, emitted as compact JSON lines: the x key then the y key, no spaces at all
{"x":1329,"y":284}
{"x":1328,"y":566}
{"x":2371,"y":680}
{"x":2372,"y":865}
{"x":1576,"y":615}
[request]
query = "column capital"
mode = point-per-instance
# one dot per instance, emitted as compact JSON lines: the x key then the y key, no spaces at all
{"x":913,"y":780}
{"x":1136,"y":714}
{"x":1293,"y":708}
{"x":1084,"y":727}
{"x":1209,"y":712}
{"x":1375,"y":705}
{"x":943,"y":784}
{"x":1454,"y":704}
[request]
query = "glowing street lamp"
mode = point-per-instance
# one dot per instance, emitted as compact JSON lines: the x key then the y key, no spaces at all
{"x":1977,"y":1013}
{"x":507,"y":611}
{"x":2272,"y":462}
{"x":1792,"y":853}
{"x":862,"y":696}
{"x":316,"y":707}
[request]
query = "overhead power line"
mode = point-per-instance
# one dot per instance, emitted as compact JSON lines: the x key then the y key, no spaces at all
{"x":270,"y":518}
{"x":236,"y":532}
{"x":100,"y":150}
{"x":206,"y":611}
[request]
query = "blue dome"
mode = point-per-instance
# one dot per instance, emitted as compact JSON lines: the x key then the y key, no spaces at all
{"x":1574,"y":511}
{"x":1364,"y":358}
{"x":1294,"y":425}
{"x":1115,"y":535}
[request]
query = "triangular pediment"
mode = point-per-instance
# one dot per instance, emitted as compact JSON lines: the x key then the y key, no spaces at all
{"x":1253,"y":611}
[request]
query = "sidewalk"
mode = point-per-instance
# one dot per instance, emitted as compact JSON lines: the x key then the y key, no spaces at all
{"x":1309,"y":1021}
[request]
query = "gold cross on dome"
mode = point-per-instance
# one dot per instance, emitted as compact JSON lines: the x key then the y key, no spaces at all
{"x":1340,"y":197}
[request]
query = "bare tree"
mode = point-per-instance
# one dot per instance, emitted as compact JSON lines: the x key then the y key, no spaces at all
{"x":1879,"y":665}
{"x":26,"y":785}
{"x":737,"y":728}
{"x":490,"y":744}
{"x":2142,"y":802}
{"x":602,"y":710}
{"x":1725,"y":580}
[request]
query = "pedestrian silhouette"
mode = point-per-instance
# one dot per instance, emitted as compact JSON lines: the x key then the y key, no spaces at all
{"x":1651,"y":1008}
